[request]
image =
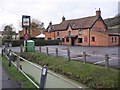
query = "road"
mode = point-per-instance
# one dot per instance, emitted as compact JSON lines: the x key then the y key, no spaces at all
{"x":96,"y":54}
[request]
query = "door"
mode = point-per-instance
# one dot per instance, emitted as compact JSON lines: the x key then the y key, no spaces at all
{"x":72,"y":41}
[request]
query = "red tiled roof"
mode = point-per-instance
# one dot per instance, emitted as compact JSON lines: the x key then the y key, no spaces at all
{"x":80,"y":23}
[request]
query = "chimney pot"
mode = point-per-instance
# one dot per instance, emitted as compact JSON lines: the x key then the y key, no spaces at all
{"x":98,"y":12}
{"x":63,"y":19}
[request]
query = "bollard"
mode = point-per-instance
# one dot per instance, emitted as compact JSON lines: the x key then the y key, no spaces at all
{"x":10,"y":58}
{"x":4,"y":48}
{"x":8,"y":52}
{"x":2,"y":52}
{"x":40,"y":48}
{"x":106,"y":61}
{"x":68,"y":53}
{"x":5,"y":51}
{"x":84,"y":57}
{"x":56,"y":52}
{"x":18,"y":62}
{"x":43,"y":77}
{"x":21,"y":49}
{"x":47,"y":50}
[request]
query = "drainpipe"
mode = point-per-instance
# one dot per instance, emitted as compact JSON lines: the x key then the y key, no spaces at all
{"x":89,"y":38}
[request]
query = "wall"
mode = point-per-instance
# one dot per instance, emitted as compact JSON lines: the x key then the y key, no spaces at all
{"x":49,"y":35}
{"x":99,"y":25}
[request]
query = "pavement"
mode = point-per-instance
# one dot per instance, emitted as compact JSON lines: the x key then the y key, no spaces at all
{"x":5,"y":81}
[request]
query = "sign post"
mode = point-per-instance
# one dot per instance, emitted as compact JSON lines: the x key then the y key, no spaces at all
{"x":26,"y":24}
{"x":43,"y":77}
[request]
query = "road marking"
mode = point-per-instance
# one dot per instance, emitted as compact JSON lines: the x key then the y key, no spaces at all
{"x":102,"y":61}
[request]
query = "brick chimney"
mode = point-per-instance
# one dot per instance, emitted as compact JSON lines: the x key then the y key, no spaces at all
{"x":50,"y":23}
{"x":98,"y":12}
{"x":63,"y":19}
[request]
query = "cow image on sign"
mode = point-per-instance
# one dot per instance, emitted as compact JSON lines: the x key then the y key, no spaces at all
{"x":26,"y":21}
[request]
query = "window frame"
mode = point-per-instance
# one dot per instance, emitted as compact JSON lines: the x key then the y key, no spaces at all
{"x":80,"y":40}
{"x":93,"y":39}
{"x":67,"y":39}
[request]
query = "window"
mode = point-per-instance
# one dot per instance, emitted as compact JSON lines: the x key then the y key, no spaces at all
{"x":67,"y":39}
{"x":85,"y":39}
{"x":58,"y":33}
{"x":112,"y":39}
{"x":69,"y":32}
{"x":93,"y":39}
{"x":62,"y":39}
{"x":79,"y":40}
{"x":80,"y":32}
{"x":49,"y":38}
{"x":115,"y":39}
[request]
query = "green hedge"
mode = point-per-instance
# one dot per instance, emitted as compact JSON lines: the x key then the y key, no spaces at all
{"x":14,"y":43}
{"x":38,"y":42}
{"x":41,"y":42}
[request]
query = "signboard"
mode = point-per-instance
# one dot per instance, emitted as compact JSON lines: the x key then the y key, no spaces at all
{"x":26,"y":36}
{"x":25,"y":21}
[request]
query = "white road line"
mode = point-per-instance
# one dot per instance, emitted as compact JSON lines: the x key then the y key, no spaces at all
{"x":102,"y":61}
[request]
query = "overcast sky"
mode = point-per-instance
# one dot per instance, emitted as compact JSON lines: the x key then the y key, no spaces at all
{"x":11,"y":11}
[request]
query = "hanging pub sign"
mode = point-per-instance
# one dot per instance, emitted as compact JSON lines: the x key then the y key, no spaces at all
{"x":25,"y":21}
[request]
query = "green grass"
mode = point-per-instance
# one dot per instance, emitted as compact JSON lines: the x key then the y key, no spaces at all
{"x":17,"y":75}
{"x":93,"y":76}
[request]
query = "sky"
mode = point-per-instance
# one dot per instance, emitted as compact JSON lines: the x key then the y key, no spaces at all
{"x":11,"y":11}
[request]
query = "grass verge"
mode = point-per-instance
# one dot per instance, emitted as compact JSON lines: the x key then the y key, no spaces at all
{"x":17,"y":75}
{"x":93,"y":76}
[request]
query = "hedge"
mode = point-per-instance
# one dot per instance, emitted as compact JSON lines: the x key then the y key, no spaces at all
{"x":38,"y":42}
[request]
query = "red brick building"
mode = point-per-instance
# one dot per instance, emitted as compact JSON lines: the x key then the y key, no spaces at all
{"x":87,"y":31}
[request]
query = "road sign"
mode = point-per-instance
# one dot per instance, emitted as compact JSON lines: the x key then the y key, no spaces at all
{"x":26,"y":36}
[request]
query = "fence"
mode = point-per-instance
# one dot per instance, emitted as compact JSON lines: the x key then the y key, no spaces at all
{"x":68,"y":54}
{"x":34,"y":70}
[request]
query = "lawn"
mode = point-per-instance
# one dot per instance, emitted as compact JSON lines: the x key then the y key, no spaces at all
{"x":93,"y":76}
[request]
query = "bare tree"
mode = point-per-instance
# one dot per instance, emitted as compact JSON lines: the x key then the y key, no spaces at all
{"x":37,"y":24}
